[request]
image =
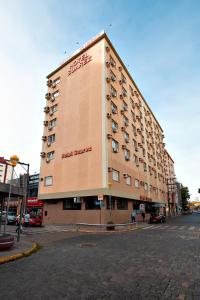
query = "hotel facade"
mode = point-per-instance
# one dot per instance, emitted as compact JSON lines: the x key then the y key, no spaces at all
{"x":103,"y":153}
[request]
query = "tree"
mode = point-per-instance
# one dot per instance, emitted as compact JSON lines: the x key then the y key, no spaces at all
{"x":185,"y":197}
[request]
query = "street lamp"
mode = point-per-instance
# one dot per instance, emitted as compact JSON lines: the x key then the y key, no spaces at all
{"x":13,"y":162}
{"x":110,"y":200}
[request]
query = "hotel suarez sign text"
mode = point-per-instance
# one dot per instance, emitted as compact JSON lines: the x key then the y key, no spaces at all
{"x":79,"y":63}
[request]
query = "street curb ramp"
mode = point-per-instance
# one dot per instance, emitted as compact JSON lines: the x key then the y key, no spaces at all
{"x":28,"y":252}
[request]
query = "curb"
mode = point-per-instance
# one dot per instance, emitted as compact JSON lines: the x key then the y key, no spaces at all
{"x":109,"y":231}
{"x":28,"y":252}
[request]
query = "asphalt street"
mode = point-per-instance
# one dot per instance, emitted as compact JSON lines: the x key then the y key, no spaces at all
{"x":161,"y":261}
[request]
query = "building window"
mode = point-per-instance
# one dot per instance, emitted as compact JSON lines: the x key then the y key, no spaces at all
{"x":134,"y":130}
{"x":51,"y":155}
{"x":136,"y":160}
{"x":145,"y":167}
{"x":123,"y":78}
{"x":122,"y":204}
{"x":57,"y":80}
{"x":55,"y":94}
{"x":112,"y":62}
{"x":113,"y":91}
{"x":112,"y":203}
{"x":52,"y":124}
{"x":48,"y":180}
{"x":144,"y":152}
{"x":113,"y":108}
{"x":124,"y":92}
{"x":146,"y":187}
{"x":126,"y":137}
{"x":52,"y":138}
{"x":124,"y":106}
{"x":114,"y":126}
{"x":92,"y":203}
{"x":125,"y":120}
{"x":133,"y":116}
{"x":72,"y":204}
{"x":115,"y":146}
{"x":128,"y":180}
{"x":132,"y":103}
{"x":130,"y":88}
{"x":127,"y":154}
{"x":136,"y":183}
{"x":115,"y":175}
{"x":112,"y":76}
{"x":53,"y":109}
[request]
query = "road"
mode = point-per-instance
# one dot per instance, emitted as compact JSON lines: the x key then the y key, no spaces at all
{"x":161,"y":261}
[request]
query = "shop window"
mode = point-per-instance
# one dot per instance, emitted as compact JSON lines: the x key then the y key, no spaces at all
{"x":71,"y":204}
{"x":112,"y":203}
{"x":92,"y":203}
{"x":122,"y":204}
{"x":48,"y":180}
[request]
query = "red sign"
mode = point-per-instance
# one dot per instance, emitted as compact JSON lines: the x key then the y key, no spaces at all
{"x":79,"y":62}
{"x":34,"y":202}
{"x":76,"y":152}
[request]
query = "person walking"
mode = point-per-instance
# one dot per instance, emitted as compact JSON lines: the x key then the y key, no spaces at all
{"x":26,"y":219}
{"x":18,"y":224}
{"x":143,"y":216}
{"x":133,"y":216}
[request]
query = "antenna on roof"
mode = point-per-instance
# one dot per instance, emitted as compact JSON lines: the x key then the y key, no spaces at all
{"x":108,"y":27}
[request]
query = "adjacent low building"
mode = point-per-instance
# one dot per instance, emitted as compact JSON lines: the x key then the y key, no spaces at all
{"x":103,"y":153}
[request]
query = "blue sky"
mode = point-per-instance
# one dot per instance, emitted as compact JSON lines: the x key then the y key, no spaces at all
{"x":159,"y":41}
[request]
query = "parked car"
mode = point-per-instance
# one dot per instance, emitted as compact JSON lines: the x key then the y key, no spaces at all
{"x":11,"y":218}
{"x":157,"y":218}
{"x":35,"y":221}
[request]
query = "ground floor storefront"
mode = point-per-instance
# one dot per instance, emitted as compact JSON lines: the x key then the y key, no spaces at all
{"x":97,"y":210}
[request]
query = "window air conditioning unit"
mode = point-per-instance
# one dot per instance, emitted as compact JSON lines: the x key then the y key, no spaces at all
{"x":122,"y":111}
{"x":112,"y":78}
{"x":107,"y":64}
{"x":51,"y":113}
{"x":109,"y":169}
{"x":127,"y":157}
{"x":46,"y":109}
{"x":108,"y":97}
{"x":48,"y":96}
{"x":123,"y":146}
{"x":44,"y":138}
{"x":107,"y":49}
{"x":50,"y":127}
{"x":115,"y":150}
{"x":137,"y":165}
{"x":49,"y":144}
{"x":42,"y":154}
{"x":47,"y":160}
{"x":49,"y":83}
{"x":122,"y":128}
{"x":136,"y":149}
{"x":45,"y":123}
{"x":53,"y":85}
{"x":121,"y":96}
{"x":109,"y":115}
{"x":109,"y":136}
{"x":120,"y":81}
{"x":120,"y":68}
{"x":108,"y":79}
{"x":52,"y":98}
{"x":125,"y":175}
{"x":114,"y":129}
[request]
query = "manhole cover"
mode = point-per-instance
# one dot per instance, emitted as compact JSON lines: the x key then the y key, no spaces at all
{"x":87,"y":245}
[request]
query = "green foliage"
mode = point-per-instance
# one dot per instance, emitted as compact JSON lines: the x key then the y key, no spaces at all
{"x":185,"y":197}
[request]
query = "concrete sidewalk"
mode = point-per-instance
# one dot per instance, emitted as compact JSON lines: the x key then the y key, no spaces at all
{"x":19,"y":249}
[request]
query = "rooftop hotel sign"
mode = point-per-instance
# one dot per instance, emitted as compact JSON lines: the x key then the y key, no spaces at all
{"x":79,"y":63}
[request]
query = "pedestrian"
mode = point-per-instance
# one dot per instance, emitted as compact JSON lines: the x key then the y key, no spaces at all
{"x":26,"y":219}
{"x":133,"y":216}
{"x":18,"y":224}
{"x":143,"y":216}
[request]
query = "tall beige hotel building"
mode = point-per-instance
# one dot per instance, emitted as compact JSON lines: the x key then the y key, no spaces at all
{"x":103,"y":153}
